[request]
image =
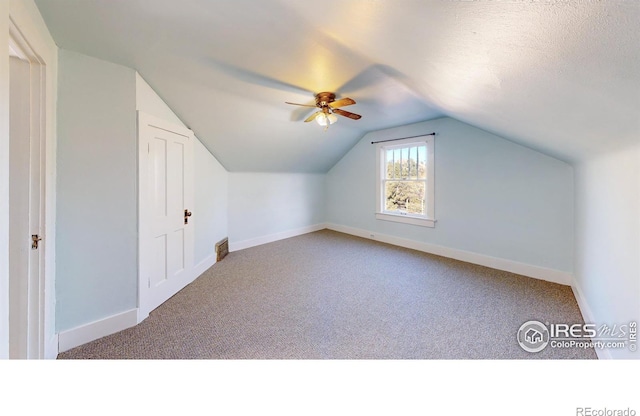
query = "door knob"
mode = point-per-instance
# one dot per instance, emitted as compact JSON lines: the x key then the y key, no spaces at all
{"x":187,"y":214}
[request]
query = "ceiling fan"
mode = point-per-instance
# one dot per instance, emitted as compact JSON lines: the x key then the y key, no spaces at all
{"x":329,"y":106}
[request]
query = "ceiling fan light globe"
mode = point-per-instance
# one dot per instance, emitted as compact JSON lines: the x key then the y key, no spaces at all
{"x":332,"y":118}
{"x":322,"y":119}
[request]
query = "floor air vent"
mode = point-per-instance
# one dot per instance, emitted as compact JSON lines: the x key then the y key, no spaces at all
{"x":222,"y":248}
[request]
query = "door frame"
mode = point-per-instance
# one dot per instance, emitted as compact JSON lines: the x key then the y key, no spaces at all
{"x":146,"y":122}
{"x":36,"y":300}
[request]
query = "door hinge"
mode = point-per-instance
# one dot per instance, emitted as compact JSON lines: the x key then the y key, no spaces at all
{"x":34,"y":241}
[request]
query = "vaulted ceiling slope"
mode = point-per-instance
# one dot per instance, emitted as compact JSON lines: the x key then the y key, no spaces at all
{"x":559,"y":76}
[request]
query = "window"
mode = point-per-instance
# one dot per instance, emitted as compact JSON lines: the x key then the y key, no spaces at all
{"x":406,"y":181}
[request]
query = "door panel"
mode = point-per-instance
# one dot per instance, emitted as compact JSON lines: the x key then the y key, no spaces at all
{"x":159,"y":267}
{"x":19,"y":236}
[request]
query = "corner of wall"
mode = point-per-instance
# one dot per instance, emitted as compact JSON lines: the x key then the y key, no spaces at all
{"x":607,"y":240}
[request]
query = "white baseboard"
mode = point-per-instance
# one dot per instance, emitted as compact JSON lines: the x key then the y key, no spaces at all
{"x":93,"y":330}
{"x":241,"y":245}
{"x":204,"y":265}
{"x":537,"y":272}
{"x":101,"y":328}
{"x":587,"y":315}
{"x":198,"y":269}
{"x":51,"y":348}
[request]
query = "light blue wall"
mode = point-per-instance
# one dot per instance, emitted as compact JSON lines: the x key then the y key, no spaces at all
{"x":263,"y":204}
{"x":493,"y":197}
{"x":210,"y":213}
{"x":608,"y":238}
{"x":96,"y":259}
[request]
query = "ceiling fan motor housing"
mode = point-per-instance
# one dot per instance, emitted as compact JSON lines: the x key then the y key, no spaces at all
{"x":324,"y":98}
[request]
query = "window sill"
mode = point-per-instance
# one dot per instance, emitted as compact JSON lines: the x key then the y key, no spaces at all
{"x":405,"y":219}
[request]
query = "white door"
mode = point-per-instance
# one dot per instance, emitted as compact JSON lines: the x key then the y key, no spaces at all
{"x":166,"y":200}
{"x":26,"y":297}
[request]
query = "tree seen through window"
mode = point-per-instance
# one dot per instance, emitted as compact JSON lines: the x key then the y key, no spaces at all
{"x":405,"y":179}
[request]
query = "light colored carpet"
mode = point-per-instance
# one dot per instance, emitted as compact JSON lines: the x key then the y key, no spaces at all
{"x":328,"y":295}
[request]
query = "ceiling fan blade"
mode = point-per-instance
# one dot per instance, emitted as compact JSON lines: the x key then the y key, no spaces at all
{"x":303,"y":105}
{"x":343,"y":102}
{"x":347,"y":114}
{"x":255,"y":78}
{"x":312,"y":116}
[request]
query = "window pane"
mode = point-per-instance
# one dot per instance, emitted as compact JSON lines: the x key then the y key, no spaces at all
{"x":389,"y":164}
{"x":422,"y":162}
{"x":396,"y":163}
{"x":404,"y":154}
{"x":405,"y":196}
{"x":413,"y":162}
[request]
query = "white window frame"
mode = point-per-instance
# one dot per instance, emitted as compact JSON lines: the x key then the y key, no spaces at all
{"x":426,"y":220}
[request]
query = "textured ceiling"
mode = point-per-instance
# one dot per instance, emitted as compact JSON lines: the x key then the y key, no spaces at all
{"x":562,"y":77}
